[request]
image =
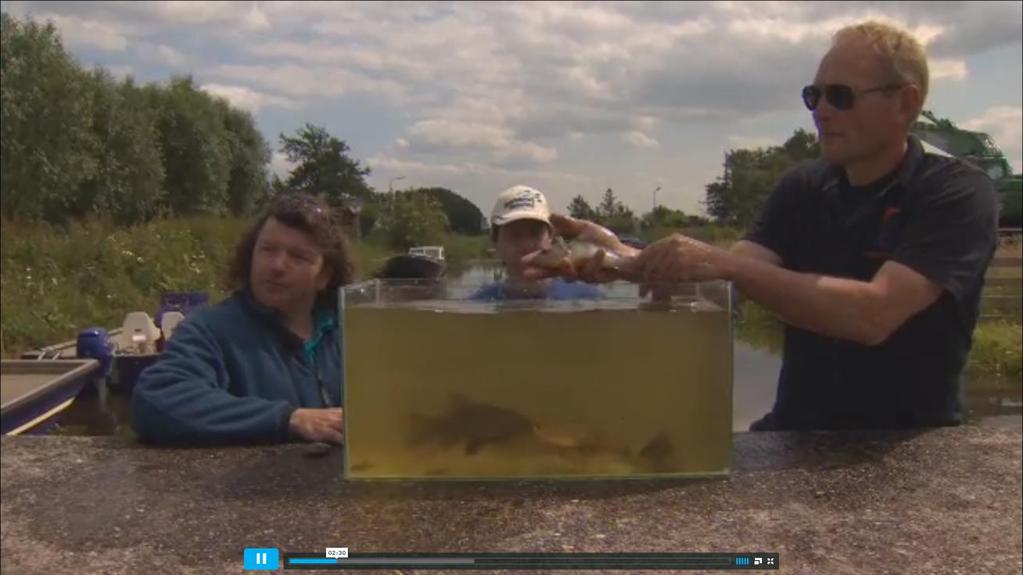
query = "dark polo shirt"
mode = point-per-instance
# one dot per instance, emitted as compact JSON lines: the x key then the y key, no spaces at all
{"x":935,"y":215}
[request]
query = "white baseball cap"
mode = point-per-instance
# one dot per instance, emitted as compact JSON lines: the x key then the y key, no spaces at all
{"x":520,"y":203}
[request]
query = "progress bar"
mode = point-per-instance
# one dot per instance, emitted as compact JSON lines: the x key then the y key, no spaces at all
{"x":549,"y":561}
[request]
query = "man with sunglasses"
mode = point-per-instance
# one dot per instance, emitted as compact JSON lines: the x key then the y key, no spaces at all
{"x":873,"y":256}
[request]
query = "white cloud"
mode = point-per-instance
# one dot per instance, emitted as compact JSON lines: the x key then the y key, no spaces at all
{"x":750,"y":142}
{"x":639,"y":139}
{"x":249,"y":15}
{"x":946,"y":68}
{"x":78,"y":32}
{"x":121,"y":71}
{"x":305,"y":81}
{"x":489,"y":92}
{"x":1005,"y":126}
{"x":479,"y":182}
{"x":162,"y":54}
{"x":496,"y":140}
{"x":280,"y":165}
{"x":248,"y":98}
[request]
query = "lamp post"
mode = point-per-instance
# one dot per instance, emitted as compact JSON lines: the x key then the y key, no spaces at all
{"x":390,"y":190}
{"x":390,"y":185}
{"x":657,"y":189}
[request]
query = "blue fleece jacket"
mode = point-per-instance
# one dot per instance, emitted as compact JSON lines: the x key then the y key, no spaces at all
{"x":233,"y":373}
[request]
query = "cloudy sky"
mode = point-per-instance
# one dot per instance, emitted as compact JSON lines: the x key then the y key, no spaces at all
{"x":571,"y":98}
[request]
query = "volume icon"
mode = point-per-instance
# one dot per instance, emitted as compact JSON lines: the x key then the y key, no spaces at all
{"x":742,"y":561}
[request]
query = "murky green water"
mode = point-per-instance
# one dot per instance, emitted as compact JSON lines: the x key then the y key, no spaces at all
{"x":449,"y":388}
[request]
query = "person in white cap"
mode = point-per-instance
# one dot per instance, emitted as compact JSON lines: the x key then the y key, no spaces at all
{"x":520,"y":224}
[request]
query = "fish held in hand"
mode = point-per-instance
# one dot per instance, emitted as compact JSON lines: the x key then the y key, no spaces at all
{"x":567,"y":258}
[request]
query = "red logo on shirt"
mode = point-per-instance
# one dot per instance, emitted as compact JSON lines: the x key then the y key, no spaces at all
{"x":886,"y":237}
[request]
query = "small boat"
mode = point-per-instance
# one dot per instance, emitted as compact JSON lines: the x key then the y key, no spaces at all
{"x":122,"y":353}
{"x":434,"y":252}
{"x":35,"y":393}
{"x":412,"y":266}
{"x":130,"y":348}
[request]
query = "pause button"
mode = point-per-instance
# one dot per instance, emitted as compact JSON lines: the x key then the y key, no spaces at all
{"x":261,"y":559}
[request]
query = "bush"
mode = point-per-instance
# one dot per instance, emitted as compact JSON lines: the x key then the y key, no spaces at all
{"x":461,"y":251}
{"x":997,"y":349}
{"x":58,"y":280}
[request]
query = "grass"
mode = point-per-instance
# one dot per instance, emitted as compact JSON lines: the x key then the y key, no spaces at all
{"x":759,"y":327}
{"x":997,"y":341}
{"x":997,"y":344}
{"x":462,"y":251}
{"x":997,"y":349}
{"x":56,"y":281}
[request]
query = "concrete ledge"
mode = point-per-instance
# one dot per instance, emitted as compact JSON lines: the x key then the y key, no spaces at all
{"x":933,"y":501}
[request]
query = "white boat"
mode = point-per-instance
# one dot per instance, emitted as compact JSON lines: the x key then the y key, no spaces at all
{"x":432,"y":252}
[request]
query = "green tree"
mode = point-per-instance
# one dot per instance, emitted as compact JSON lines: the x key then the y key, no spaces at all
{"x":609,"y":205}
{"x":128,"y":182}
{"x":664,"y":217}
{"x":324,"y":167}
{"x":76,"y":143}
{"x":939,"y":122}
{"x":415,"y":218}
{"x":749,"y":176}
{"x":463,"y":216}
{"x":195,"y":147}
{"x":580,"y":208}
{"x":614,"y":215}
{"x":46,"y":141}
{"x":802,"y":145}
{"x":247,"y":182}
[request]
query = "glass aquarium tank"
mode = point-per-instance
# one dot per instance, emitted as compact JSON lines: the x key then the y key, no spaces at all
{"x":439,"y":386}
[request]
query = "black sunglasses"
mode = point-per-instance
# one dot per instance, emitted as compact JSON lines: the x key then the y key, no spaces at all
{"x":840,"y":96}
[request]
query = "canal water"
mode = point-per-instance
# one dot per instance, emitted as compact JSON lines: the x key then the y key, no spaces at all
{"x":755,"y":373}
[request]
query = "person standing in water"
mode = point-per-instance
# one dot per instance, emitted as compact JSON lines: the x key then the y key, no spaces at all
{"x":521,"y":224}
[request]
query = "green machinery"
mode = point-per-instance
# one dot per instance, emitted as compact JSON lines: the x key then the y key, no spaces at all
{"x":978,"y":149}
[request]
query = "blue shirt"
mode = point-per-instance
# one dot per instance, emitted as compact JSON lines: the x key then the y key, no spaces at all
{"x":234,"y":373}
{"x":557,"y":289}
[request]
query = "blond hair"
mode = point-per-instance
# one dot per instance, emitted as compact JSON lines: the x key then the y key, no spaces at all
{"x":900,"y":54}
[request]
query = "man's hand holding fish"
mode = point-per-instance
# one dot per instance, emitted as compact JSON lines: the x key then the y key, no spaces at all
{"x":594,"y":254}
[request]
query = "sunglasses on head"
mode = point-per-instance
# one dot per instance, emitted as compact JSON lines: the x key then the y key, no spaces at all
{"x":840,"y":96}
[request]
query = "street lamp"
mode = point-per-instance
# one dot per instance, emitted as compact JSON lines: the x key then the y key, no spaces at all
{"x":390,"y":185}
{"x":657,"y":189}
{"x":390,"y":190}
